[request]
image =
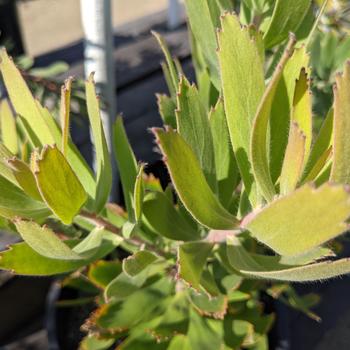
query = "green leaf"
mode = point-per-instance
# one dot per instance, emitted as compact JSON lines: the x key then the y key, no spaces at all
{"x":302,"y":220}
{"x":25,"y":178}
{"x":259,"y":136}
{"x":21,"y":259}
{"x":103,"y":161}
{"x":167,"y":106}
{"x":192,"y":258}
{"x":243,"y":85}
{"x":281,"y":109}
{"x":203,"y":26}
{"x":267,"y":267}
{"x":302,"y":109}
{"x":139,"y":193}
{"x":190,"y":182}
{"x":193,"y":125}
{"x":4,"y":169}
{"x":65,"y":113}
{"x":8,"y":127}
{"x":293,"y":160}
{"x":173,"y":73}
{"x":93,"y":342}
{"x":124,"y":285}
{"x":341,"y":142}
{"x":127,"y":164}
{"x":75,"y":159}
{"x":321,"y":146}
{"x":102,"y":272}
{"x":227,"y":173}
{"x":14,"y":202}
{"x":180,"y":341}
{"x":209,"y":306}
{"x":287,"y":17}
{"x":44,"y":241}
{"x":136,"y":263}
{"x":159,"y":214}
{"x":22,"y":99}
{"x":58,"y":185}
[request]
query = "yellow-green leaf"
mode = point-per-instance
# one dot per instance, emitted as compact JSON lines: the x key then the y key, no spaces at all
{"x":14,"y":202}
{"x":44,"y":241}
{"x":190,"y":183}
{"x":127,"y":165}
{"x":269,"y":267}
{"x":103,"y":161}
{"x":58,"y":185}
{"x":193,"y":125}
{"x":65,"y":113}
{"x":22,"y":99}
{"x":281,"y":109}
{"x":293,"y":160}
{"x":302,"y":220}
{"x":8,"y":127}
{"x":243,"y":85}
{"x":302,"y":109}
{"x":259,"y":137}
{"x":341,"y":141}
{"x":24,"y":177}
{"x":321,"y":147}
{"x":138,"y":193}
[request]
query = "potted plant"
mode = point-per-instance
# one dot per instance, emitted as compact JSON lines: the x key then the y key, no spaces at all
{"x":253,"y":202}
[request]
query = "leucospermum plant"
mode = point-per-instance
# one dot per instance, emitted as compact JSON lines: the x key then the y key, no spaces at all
{"x":254,"y":202}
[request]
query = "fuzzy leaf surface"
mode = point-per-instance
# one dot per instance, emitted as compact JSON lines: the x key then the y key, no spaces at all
{"x":192,"y":259}
{"x":287,"y":17}
{"x":190,"y":183}
{"x":193,"y":125}
{"x":22,"y":99}
{"x":304,"y":219}
{"x":267,"y":267}
{"x":8,"y":129}
{"x":242,"y":79}
{"x":341,"y":142}
{"x":127,"y":164}
{"x":159,"y":214}
{"x":259,"y":135}
{"x":103,"y":162}
{"x":58,"y":185}
{"x":14,"y":202}
{"x":44,"y":241}
{"x":293,"y":160}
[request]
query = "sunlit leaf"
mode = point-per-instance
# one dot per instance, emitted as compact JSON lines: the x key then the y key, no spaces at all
{"x":44,"y":241}
{"x":65,"y":113}
{"x":103,"y":161}
{"x":14,"y":202}
{"x":59,"y":185}
{"x":190,"y":182}
{"x":293,"y":159}
{"x":259,"y":136}
{"x":341,"y":142}
{"x":302,"y":220}
{"x":8,"y":129}
{"x":227,"y":173}
{"x":24,"y":177}
{"x":127,"y":164}
{"x":193,"y":125}
{"x":22,"y":99}
{"x":139,"y":193}
{"x":167,"y":106}
{"x":242,"y":78}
